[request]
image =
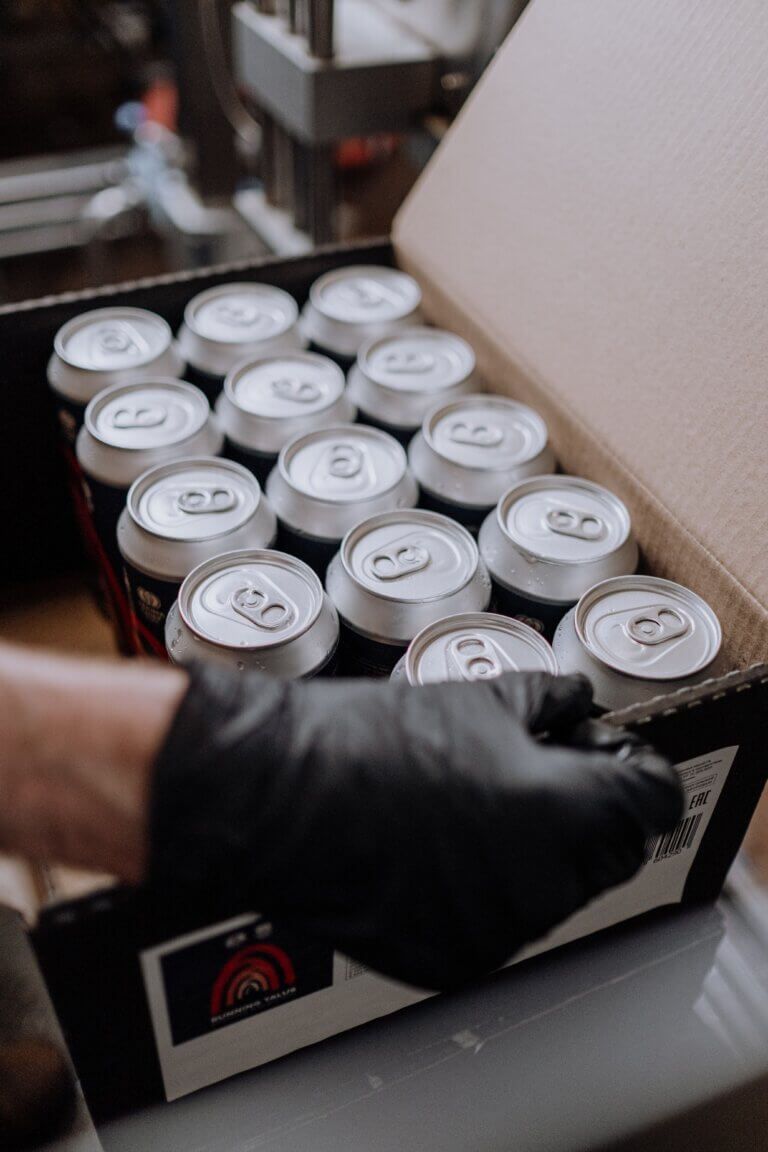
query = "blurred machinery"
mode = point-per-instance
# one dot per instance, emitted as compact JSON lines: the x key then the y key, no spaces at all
{"x":213,"y":129}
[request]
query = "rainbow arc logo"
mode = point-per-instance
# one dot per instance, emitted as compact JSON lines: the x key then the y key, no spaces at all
{"x":255,"y":971}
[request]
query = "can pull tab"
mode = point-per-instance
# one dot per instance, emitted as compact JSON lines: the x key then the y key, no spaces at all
{"x":140,"y":416}
{"x":473,"y":657}
{"x":394,"y":563}
{"x":409,"y":363}
{"x":206,"y":499}
{"x":120,"y":340}
{"x":299,"y":391}
{"x":570,"y":522}
{"x":363,"y":293}
{"x":238,"y":315}
{"x":477,"y":435}
{"x":657,"y":624}
{"x":261,"y":609}
{"x":345,"y":461}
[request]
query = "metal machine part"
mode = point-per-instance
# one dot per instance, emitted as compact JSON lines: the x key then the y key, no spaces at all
{"x":317,"y":71}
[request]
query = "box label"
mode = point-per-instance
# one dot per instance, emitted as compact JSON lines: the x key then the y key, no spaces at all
{"x":668,"y":858}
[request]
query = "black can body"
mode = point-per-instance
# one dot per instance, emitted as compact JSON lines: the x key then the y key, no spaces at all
{"x":344,"y":362}
{"x":361,"y":656}
{"x":402,"y":435}
{"x":315,"y":552}
{"x":259,"y":463}
{"x":469,"y":518}
{"x":150,"y":599}
{"x":539,"y":614}
{"x":98,"y":507}
{"x":208,"y":384}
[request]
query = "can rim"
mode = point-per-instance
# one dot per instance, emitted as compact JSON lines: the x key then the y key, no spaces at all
{"x":76,"y":322}
{"x":194,"y":304}
{"x":245,"y":555}
{"x":152,"y":475}
{"x":332,"y":274}
{"x":494,"y":401}
{"x":236,"y":372}
{"x":363,"y":430}
{"x":106,"y":394}
{"x":554,"y":480}
{"x":418,"y":515}
{"x":422,"y":331}
{"x":659,"y":583}
{"x":479,"y":619}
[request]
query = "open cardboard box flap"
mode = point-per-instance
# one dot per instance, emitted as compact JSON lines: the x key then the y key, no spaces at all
{"x":595,"y":223}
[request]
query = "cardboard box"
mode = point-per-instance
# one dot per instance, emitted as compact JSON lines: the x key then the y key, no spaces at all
{"x":594,"y":225}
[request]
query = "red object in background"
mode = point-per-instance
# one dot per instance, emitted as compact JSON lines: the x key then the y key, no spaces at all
{"x":161,"y":103}
{"x":364,"y":151}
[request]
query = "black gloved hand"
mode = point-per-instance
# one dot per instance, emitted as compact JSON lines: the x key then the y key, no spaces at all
{"x":422,"y":831}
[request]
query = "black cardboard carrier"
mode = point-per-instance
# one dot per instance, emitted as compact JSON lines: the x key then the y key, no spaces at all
{"x":464,"y":250}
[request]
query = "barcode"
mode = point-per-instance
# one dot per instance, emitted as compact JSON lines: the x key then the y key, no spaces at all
{"x":680,"y":838}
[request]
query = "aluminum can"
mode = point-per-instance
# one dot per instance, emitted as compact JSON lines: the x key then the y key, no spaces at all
{"x":473,"y":646}
{"x":637,"y":637}
{"x":234,"y":322}
{"x":398,"y":378}
{"x":470,"y":451}
{"x":269,"y":401}
{"x":350,"y":306}
{"x":549,"y":539}
{"x":258,"y":610}
{"x":129,"y":428}
{"x":104,"y":347}
{"x":176,"y":516}
{"x":396,"y":573}
{"x":327,"y":481}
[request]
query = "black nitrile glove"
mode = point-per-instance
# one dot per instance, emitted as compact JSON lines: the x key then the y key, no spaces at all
{"x":423,"y":831}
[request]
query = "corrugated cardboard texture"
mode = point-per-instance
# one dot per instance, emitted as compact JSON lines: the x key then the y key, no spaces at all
{"x":597,"y":223}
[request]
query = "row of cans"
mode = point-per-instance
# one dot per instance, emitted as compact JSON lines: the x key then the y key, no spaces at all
{"x":227,"y":325}
{"x":635,"y":637}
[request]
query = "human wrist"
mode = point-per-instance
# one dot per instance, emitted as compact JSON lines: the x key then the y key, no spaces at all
{"x":81,"y":737}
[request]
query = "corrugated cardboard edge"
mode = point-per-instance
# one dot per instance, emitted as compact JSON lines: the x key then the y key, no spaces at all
{"x":669,"y":548}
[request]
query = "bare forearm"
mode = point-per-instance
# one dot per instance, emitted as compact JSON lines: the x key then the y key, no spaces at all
{"x":80,"y":738}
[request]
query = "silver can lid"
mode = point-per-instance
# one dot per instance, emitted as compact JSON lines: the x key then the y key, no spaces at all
{"x":486,"y":433}
{"x":365,"y":294}
{"x":241,"y":313}
{"x":113,"y":340}
{"x":251,"y":600}
{"x":563,"y":519}
{"x":155,"y":414}
{"x":344,"y":464}
{"x":285,"y":387}
{"x":194,"y":500}
{"x":427,"y":361}
{"x":476,"y":646}
{"x":648,"y":628}
{"x":410,"y":556}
